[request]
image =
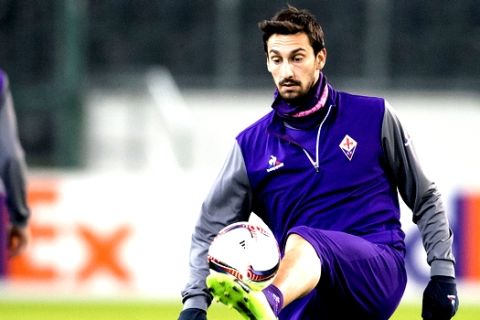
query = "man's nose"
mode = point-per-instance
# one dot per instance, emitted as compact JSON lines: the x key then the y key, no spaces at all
{"x":287,"y":70}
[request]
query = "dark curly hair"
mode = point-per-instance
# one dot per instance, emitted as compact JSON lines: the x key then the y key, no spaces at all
{"x":290,"y":21}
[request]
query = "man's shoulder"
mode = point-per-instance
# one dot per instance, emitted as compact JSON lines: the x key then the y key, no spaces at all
{"x":360,"y":99}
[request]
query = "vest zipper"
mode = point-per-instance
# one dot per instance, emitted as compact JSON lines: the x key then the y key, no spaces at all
{"x":315,"y":163}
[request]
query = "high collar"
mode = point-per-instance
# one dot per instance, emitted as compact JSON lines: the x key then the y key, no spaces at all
{"x":284,"y":108}
{"x":310,"y":111}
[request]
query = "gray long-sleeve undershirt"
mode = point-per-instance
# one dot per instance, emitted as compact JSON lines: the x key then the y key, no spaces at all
{"x":419,"y":194}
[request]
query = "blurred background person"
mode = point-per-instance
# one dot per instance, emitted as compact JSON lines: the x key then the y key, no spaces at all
{"x":13,"y":205}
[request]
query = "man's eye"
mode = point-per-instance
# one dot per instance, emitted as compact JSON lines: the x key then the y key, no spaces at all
{"x":297,"y":58}
{"x":276,"y":60}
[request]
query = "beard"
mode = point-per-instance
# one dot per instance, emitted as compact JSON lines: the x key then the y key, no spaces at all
{"x":293,"y":92}
{"x":297,"y":91}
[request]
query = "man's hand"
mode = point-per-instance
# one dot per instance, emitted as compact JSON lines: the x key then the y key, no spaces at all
{"x":440,"y":300}
{"x":193,"y":314}
{"x":17,"y":240}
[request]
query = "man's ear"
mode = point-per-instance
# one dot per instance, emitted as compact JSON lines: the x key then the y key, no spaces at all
{"x":321,"y":59}
{"x":268,"y":63}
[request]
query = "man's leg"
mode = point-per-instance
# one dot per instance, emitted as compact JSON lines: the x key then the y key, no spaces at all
{"x":359,"y":279}
{"x":299,"y":271}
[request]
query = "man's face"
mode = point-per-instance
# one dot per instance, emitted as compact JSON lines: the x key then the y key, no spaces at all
{"x":293,"y":65}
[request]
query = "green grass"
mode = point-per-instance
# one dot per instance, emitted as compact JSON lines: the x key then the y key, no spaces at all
{"x":74,"y":310}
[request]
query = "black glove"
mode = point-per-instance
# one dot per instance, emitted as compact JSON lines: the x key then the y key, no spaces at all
{"x":440,"y":300}
{"x":193,"y":314}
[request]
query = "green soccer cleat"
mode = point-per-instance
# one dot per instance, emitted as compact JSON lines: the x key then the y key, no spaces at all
{"x":230,"y":291}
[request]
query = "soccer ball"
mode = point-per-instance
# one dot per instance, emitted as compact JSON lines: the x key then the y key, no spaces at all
{"x":247,"y":251}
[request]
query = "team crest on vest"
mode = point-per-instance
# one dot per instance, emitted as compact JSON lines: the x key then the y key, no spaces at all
{"x":348,"y":146}
{"x":274,"y":164}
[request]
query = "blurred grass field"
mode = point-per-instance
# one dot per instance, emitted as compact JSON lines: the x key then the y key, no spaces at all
{"x":108,"y":310}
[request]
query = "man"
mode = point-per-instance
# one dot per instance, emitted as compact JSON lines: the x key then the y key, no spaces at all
{"x":12,"y":180}
{"x":330,"y":199}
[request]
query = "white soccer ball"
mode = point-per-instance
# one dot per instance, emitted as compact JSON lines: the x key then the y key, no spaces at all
{"x":247,"y":251}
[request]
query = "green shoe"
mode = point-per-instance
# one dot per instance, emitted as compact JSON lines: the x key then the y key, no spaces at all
{"x":230,"y":291}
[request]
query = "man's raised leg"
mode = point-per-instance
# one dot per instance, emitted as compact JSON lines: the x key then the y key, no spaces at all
{"x":299,"y":270}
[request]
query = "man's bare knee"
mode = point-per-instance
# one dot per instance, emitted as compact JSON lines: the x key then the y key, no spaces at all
{"x":297,"y":243}
{"x":303,"y":252}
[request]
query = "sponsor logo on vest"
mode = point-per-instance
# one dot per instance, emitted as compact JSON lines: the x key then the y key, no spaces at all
{"x":348,"y":146}
{"x":274,"y":164}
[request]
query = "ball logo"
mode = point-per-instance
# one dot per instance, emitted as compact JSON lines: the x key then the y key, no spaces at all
{"x":243,"y":244}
